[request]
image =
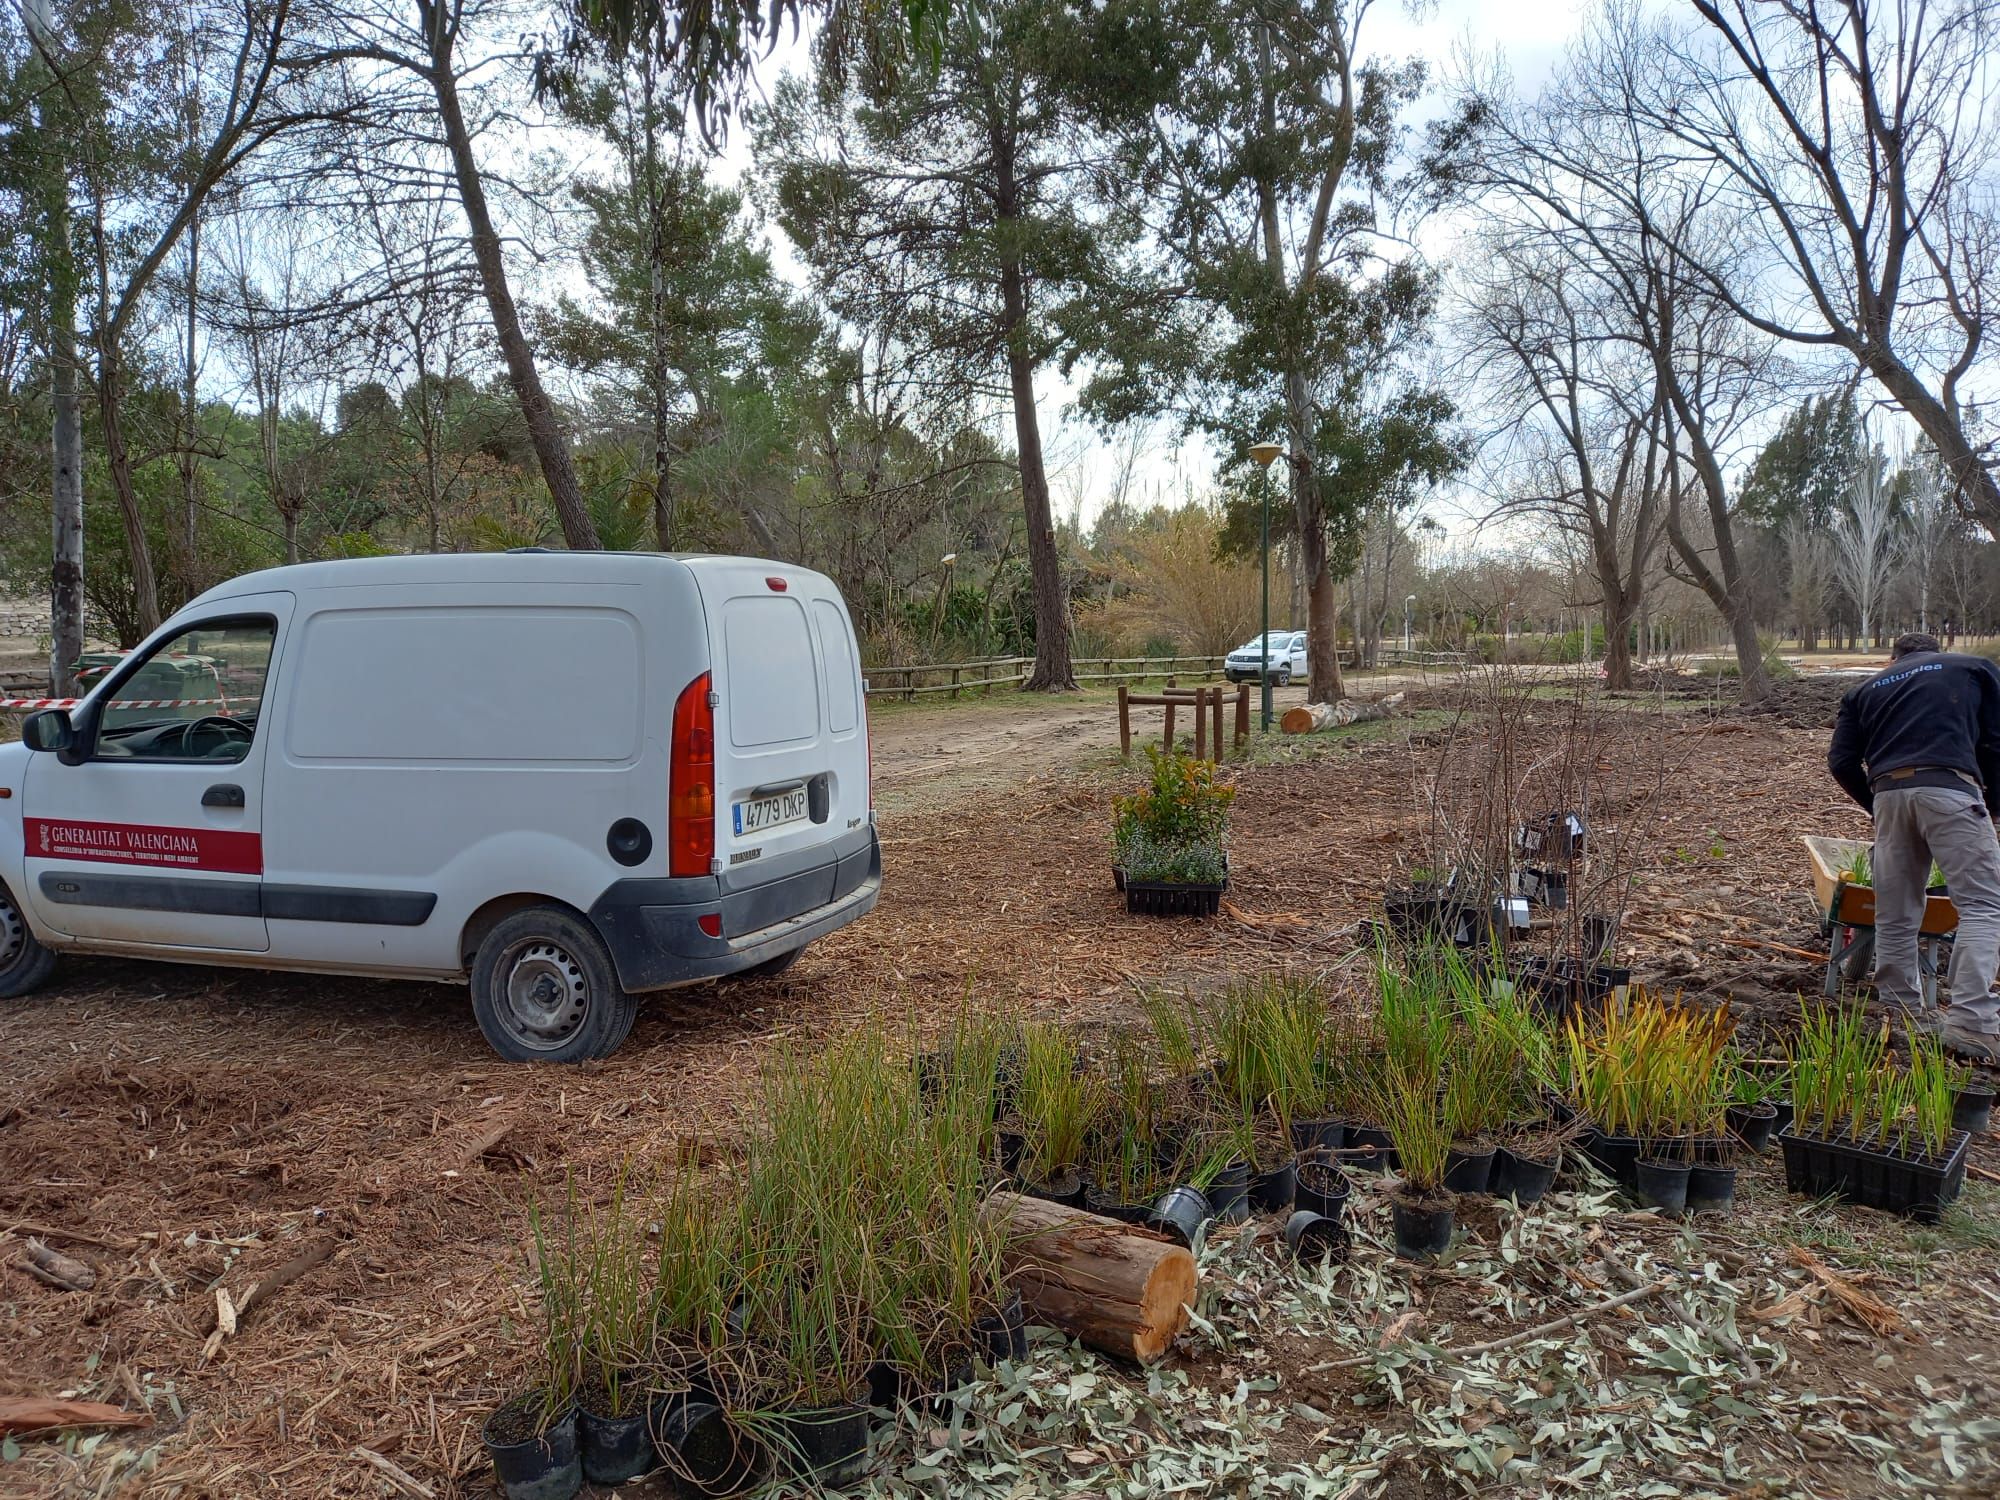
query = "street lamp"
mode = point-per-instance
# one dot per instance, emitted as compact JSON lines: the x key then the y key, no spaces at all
{"x":1262,"y":454}
{"x":1407,"y":603}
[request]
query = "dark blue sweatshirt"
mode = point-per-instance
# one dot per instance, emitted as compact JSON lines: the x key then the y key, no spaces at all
{"x":1936,"y":709}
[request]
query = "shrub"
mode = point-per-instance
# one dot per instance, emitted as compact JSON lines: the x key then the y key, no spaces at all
{"x":1177,"y":828}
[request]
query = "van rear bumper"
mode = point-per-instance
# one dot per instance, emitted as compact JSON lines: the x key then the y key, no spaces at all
{"x":652,"y":926}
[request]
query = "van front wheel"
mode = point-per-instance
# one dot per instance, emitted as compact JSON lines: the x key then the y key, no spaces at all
{"x":25,"y":964}
{"x":544,"y":989}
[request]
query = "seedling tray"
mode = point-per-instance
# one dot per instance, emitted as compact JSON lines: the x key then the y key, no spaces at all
{"x":1160,"y":898}
{"x":1916,"y":1188}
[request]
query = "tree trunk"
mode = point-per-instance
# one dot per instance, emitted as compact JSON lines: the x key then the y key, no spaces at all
{"x":110,"y":395}
{"x":66,"y":568}
{"x":1617,"y":644}
{"x":1053,"y":671}
{"x":1120,"y":1289}
{"x":191,"y":418}
{"x":545,"y":432}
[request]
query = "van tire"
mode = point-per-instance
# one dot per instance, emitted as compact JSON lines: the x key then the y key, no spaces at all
{"x":544,"y":989}
{"x":25,"y":965}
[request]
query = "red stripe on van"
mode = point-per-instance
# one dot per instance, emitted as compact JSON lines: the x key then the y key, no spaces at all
{"x":227,"y":851}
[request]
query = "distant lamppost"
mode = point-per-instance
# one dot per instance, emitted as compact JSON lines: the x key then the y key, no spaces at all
{"x":1408,"y":602}
{"x":1262,"y":454}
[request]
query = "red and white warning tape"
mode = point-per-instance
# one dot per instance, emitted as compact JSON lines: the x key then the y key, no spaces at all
{"x":26,"y":705}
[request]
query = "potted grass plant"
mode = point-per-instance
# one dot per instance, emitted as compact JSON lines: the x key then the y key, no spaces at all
{"x":1479,"y":1090}
{"x":1864,"y":1130}
{"x":614,"y":1397}
{"x":695,"y":1266}
{"x":1751,"y":1114}
{"x":1170,"y":839}
{"x":1127,"y":1157}
{"x":1421,"y":1210}
{"x":1057,"y":1103}
{"x":532,"y":1438}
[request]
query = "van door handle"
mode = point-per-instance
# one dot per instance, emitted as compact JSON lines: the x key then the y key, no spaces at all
{"x":224,"y":795}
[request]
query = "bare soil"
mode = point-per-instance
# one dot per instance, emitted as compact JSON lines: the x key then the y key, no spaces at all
{"x":183,"y":1130}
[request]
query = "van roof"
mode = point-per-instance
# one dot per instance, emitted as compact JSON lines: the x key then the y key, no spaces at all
{"x":520,"y":565}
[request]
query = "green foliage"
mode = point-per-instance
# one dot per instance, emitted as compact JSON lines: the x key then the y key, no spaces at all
{"x":1176,"y":829}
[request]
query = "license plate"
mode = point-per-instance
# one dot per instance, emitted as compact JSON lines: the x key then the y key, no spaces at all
{"x":765,"y":813}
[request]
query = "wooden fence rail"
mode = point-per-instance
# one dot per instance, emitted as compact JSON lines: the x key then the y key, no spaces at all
{"x":956,"y":677}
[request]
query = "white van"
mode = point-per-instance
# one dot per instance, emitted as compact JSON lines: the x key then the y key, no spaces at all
{"x":569,"y":777}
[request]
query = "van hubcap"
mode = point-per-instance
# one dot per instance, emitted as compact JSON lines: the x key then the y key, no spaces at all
{"x":13,"y":931}
{"x":546,"y":994}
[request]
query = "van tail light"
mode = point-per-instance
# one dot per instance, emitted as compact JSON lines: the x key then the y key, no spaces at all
{"x":691,"y":783}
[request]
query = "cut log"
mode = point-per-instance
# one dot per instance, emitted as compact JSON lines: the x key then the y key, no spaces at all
{"x":1120,"y":1289}
{"x":1313,"y":716}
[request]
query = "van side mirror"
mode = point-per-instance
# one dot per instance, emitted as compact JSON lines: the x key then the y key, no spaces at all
{"x":49,"y":730}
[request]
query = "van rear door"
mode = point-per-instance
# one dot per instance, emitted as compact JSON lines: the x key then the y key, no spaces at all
{"x":791,"y":753}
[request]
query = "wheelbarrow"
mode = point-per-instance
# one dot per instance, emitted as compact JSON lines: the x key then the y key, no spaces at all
{"x":1847,"y":917}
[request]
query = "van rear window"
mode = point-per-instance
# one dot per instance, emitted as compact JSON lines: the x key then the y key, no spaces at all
{"x":472,"y":684}
{"x":842,"y":681}
{"x":773,"y":683}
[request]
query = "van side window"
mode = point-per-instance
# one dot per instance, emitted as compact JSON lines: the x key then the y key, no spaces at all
{"x":195,"y":697}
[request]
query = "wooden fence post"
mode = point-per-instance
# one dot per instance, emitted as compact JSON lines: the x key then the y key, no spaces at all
{"x":1124,"y":721}
{"x":1215,"y":710}
{"x":1201,"y":724}
{"x":1170,"y":725}
{"x":1242,"y":712}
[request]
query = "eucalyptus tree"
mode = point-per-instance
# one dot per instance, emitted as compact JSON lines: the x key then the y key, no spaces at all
{"x":958,"y":212}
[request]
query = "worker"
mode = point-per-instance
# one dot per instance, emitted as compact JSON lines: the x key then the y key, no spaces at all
{"x":1918,"y":746}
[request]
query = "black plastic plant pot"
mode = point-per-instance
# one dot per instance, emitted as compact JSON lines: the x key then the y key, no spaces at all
{"x":1468,"y":1171}
{"x":615,"y":1449}
{"x":1419,"y":916}
{"x":1179,"y":1213}
{"x":531,"y":1465}
{"x":1360,"y":1136}
{"x":1500,"y":1179}
{"x":1111,"y":1206}
{"x":1662,"y":1184}
{"x":1065,"y":1188}
{"x":1013,"y":1146}
{"x":1229,"y":1194}
{"x":1918,"y":1187}
{"x":1004,"y":1334}
{"x":1314,"y":1237}
{"x":1422,"y":1226}
{"x":1616,"y":1156}
{"x":1118,"y":877}
{"x":1322,"y":1188}
{"x":827,"y":1445}
{"x":1711,"y":1189}
{"x":705,"y":1452}
{"x":1527,"y":1181}
{"x":1782,"y":1120}
{"x":1173,"y":898}
{"x":1271,"y":1192}
{"x":1973,"y":1109}
{"x":1309,"y":1136}
{"x":1752,"y":1124}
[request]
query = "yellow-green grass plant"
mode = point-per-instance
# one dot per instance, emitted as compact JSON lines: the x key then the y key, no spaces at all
{"x":1057,"y":1100}
{"x":1933,"y":1083}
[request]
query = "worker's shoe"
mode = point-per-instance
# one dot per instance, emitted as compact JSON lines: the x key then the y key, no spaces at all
{"x":1980,"y":1046}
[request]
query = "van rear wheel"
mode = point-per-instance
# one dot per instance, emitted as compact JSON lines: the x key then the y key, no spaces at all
{"x":25,"y":964}
{"x":544,"y":989}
